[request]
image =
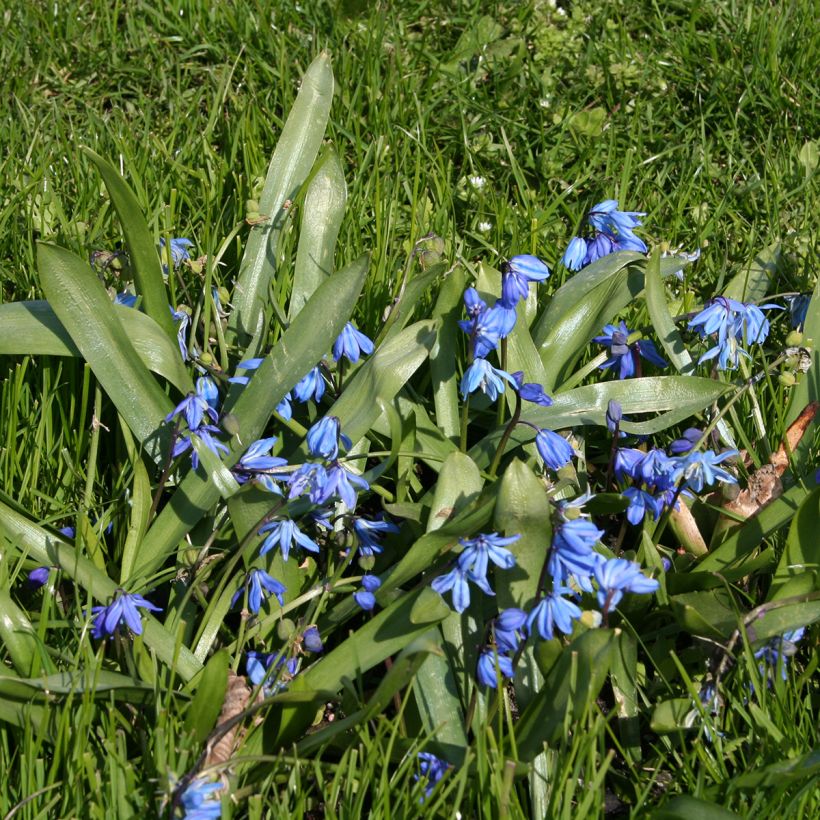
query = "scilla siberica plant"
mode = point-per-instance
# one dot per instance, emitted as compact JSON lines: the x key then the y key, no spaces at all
{"x":327,"y":497}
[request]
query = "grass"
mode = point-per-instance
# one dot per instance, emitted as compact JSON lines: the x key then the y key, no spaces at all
{"x":494,"y":126}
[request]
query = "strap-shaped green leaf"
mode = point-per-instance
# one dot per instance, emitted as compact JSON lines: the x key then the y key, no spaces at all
{"x":310,"y":335}
{"x":32,"y":328}
{"x":322,"y":214}
{"x":80,"y":302}
{"x":142,"y":249}
{"x":291,"y":163}
{"x":752,"y":283}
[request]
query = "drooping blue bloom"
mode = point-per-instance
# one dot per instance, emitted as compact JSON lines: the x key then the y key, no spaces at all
{"x":553,"y":611}
{"x":183,"y":318}
{"x":622,"y":355}
{"x":284,"y":409}
{"x":572,"y":549}
{"x":503,"y":318}
{"x":798,"y":308}
{"x":641,"y":502}
{"x":368,"y":533}
{"x":258,"y":669}
{"x":655,"y":468}
{"x":507,"y":629}
{"x":258,"y":464}
{"x":122,"y":611}
{"x":308,"y":478}
{"x":691,"y":436}
{"x":554,"y":449}
{"x":38,"y":577}
{"x":285,"y":533}
{"x":516,"y":276}
{"x":125,"y":299}
{"x":311,"y":386}
{"x":312,"y":640}
{"x":456,"y":580}
{"x":248,"y":364}
{"x":700,"y":469}
{"x":207,"y":389}
{"x":68,"y":532}
{"x":606,"y":217}
{"x":338,"y":481}
{"x":179,"y":250}
{"x":205,"y":434}
{"x":778,"y":650}
{"x":627,"y":462}
{"x":201,"y":801}
{"x":351,"y":344}
{"x":616,"y":576}
{"x":431,"y":770}
{"x":614,"y":414}
{"x":323,"y":438}
{"x":531,"y":391}
{"x":488,"y":662}
{"x":366,"y":597}
{"x":260,"y":584}
{"x":195,"y":406}
{"x":575,"y":255}
{"x":481,"y":374}
{"x":479,"y":551}
{"x":484,"y":327}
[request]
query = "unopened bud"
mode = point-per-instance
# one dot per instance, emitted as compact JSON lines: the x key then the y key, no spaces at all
{"x":230,"y":424}
{"x":285,"y":629}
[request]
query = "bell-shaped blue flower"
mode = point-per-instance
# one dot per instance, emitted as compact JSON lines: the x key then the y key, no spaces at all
{"x":366,"y":598}
{"x":492,"y":666}
{"x":457,"y":581}
{"x":122,"y":611}
{"x":700,"y":469}
{"x":323,"y":438}
{"x":516,"y":276}
{"x":575,"y":255}
{"x":481,"y":374}
{"x":554,"y":449}
{"x":616,"y":576}
{"x":285,"y":533}
{"x":311,"y":386}
{"x":352,"y":343}
{"x":551,"y":612}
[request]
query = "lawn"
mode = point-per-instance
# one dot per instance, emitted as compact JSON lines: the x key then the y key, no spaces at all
{"x":323,"y":631}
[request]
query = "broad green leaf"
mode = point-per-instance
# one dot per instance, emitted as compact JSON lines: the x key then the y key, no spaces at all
{"x":459,"y":485}
{"x":571,"y":686}
{"x":407,"y":301}
{"x":444,"y":355}
{"x":750,"y":535}
{"x":97,"y":682}
{"x":674,"y":715}
{"x":51,"y":550}
{"x":624,"y":677}
{"x":81,"y":303}
{"x":309,"y":336}
{"x":802,"y":553}
{"x":142,"y":249}
{"x":381,"y":377}
{"x":203,"y":710}
{"x":685,"y":807}
{"x":322,"y":214}
{"x":292,"y":161}
{"x":17,"y":635}
{"x":808,"y":388}
{"x":141,"y":501}
{"x":708,"y":613}
{"x":776,"y":617}
{"x":33,"y":329}
{"x":752,"y":283}
{"x":781,"y":773}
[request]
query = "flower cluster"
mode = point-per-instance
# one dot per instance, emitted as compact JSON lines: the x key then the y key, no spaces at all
{"x":611,"y":230}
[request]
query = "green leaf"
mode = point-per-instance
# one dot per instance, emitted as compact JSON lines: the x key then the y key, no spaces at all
{"x":802,"y":553}
{"x":81,"y":303}
{"x":674,"y":715}
{"x":309,"y":336}
{"x":708,"y":613}
{"x":781,"y":773}
{"x":203,"y":710}
{"x":752,"y":283}
{"x":776,"y":617}
{"x":322,"y":215}
{"x":687,"y":808}
{"x":52,"y":550}
{"x":750,"y":535}
{"x":33,"y":329}
{"x":96,"y":682}
{"x":292,"y":161}
{"x":407,"y":301}
{"x":142,"y":249}
{"x":571,"y":686}
{"x":808,"y":388}
{"x":624,"y":677}
{"x":459,"y":485}
{"x":17,"y":635}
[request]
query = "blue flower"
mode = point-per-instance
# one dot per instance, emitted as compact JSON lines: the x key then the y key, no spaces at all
{"x":258,"y":669}
{"x":531,"y":391}
{"x":691,"y":436}
{"x":507,"y":629}
{"x":575,"y":254}
{"x":248,"y":364}
{"x":699,"y":469}
{"x":656,"y":468}
{"x":284,"y":409}
{"x":553,"y":611}
{"x":285,"y":532}
{"x":366,"y":598}
{"x":122,"y":611}
{"x":125,"y":299}
{"x":641,"y":502}
{"x":614,"y":414}
{"x":179,"y":250}
{"x":516,"y":276}
{"x":479,"y":551}
{"x":616,"y":576}
{"x":323,"y":438}
{"x":257,"y":464}
{"x":201,"y":801}
{"x":485,"y":327}
{"x":501,"y":317}
{"x":622,"y":354}
{"x":38,"y":577}
{"x":778,"y":650}
{"x":798,"y":309}
{"x":572,"y":548}
{"x":606,"y":217}
{"x":491,"y":665}
{"x":195,"y":406}
{"x":308,"y":478}
{"x":431,"y":770}
{"x":261,"y":585}
{"x":368,"y":532}
{"x":456,"y":580}
{"x":206,"y":388}
{"x":338,"y":481}
{"x":311,"y":386}
{"x":183,"y":318}
{"x":627,"y":462}
{"x":554,"y":449}
{"x":481,"y":374}
{"x":351,"y":343}
{"x":312,"y":640}
{"x":205,"y":434}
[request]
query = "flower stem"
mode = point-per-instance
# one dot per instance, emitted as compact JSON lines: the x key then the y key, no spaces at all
{"x":499,"y":452}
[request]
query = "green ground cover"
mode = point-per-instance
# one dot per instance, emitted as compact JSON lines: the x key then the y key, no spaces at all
{"x":495,"y":128}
